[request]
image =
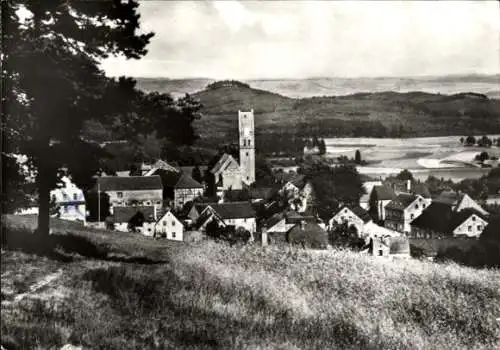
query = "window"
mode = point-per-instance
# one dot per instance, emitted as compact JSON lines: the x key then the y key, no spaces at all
{"x":173,"y":223}
{"x":423,"y":206}
{"x":479,"y":227}
{"x":173,"y":234}
{"x":75,"y":196}
{"x":412,"y":216}
{"x":416,"y":206}
{"x":249,"y":142}
{"x":53,"y":198}
{"x":380,"y":252}
{"x":66,"y":209}
{"x":473,"y":218}
{"x":246,"y":154}
{"x":469,"y":228}
{"x":119,"y":194}
{"x":164,"y":223}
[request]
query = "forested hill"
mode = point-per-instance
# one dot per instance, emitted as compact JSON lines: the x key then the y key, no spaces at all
{"x":382,"y":114}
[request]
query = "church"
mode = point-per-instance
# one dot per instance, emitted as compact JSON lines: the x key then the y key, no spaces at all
{"x":227,"y":172}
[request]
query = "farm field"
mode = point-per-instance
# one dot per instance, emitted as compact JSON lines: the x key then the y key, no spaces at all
{"x":438,"y":156}
{"x":119,"y":291}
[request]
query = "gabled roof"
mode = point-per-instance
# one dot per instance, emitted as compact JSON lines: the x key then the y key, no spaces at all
{"x":440,"y":217}
{"x":402,"y":201}
{"x":273,"y":220}
{"x":263,"y":192}
{"x":310,"y":234}
{"x":449,"y":197}
{"x":233,"y":210}
{"x":298,"y":180}
{"x":421,"y":189}
{"x":130,"y":183}
{"x":222,"y":163}
{"x":176,"y":179}
{"x":358,"y":211}
{"x":384,"y":193}
{"x":124,"y":214}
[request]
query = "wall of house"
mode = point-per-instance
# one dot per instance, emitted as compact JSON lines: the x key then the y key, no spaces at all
{"x":142,"y":197}
{"x":231,"y":179}
{"x":413,"y":211}
{"x":184,"y":195}
{"x":394,"y":219}
{"x":170,"y":227}
{"x":147,"y":229}
{"x":121,"y":226}
{"x":247,"y":223}
{"x":468,"y":202}
{"x":472,"y":227}
{"x":381,"y":208}
{"x":73,"y":212}
{"x":346,"y":215}
{"x":380,"y":248}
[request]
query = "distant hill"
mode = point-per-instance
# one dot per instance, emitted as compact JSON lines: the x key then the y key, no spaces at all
{"x":324,"y":86}
{"x":378,"y":114}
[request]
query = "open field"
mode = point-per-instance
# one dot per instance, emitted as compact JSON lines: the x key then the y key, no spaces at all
{"x":423,"y":156}
{"x":209,"y":295}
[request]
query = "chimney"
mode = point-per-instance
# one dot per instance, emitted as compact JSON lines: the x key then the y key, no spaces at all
{"x":264,"y":235}
{"x":408,"y":185}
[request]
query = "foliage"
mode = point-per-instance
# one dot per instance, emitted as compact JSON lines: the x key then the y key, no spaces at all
{"x":483,"y":254}
{"x":481,"y":157}
{"x":470,"y":141}
{"x":94,"y":202}
{"x":226,"y":83}
{"x":196,"y":174}
{"x":15,"y":192}
{"x":357,"y":157}
{"x":405,"y":175}
{"x":347,"y":236}
{"x":58,"y":46}
{"x":333,"y":186}
{"x":484,"y":141}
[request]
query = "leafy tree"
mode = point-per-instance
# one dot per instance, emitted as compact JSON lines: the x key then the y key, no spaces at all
{"x":462,"y":140}
{"x":196,"y":174}
{"x":470,"y":141}
{"x":357,"y":157}
{"x":53,"y":83}
{"x":482,"y":156}
{"x":373,"y":205}
{"x":322,"y":146}
{"x":484,"y":141}
{"x":14,"y":192}
{"x":405,"y":175}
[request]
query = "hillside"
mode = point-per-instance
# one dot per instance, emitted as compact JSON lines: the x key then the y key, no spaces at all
{"x":106,"y":290}
{"x":382,"y":114}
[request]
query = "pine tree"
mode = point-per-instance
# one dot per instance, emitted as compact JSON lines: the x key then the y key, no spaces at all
{"x":53,"y":82}
{"x":358,"y":157}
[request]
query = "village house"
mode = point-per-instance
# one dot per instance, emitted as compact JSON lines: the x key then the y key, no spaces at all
{"x":279,"y":224}
{"x":380,"y":197}
{"x":227,"y":174}
{"x":441,"y":220}
{"x":402,"y":210}
{"x":178,"y":187}
{"x":237,"y":214}
{"x":352,"y":216}
{"x":68,"y":201}
{"x":169,"y":227}
{"x":459,"y":201}
{"x":131,"y":191}
{"x":392,"y":247}
{"x":135,"y":219}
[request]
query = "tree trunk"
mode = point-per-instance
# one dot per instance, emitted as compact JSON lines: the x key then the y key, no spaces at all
{"x":43,"y":179}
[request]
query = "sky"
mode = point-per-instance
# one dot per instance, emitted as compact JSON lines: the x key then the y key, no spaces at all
{"x":299,"y":39}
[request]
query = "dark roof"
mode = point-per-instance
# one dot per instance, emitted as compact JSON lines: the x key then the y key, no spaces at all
{"x":129,"y":183}
{"x":222,"y":160}
{"x":262,"y":192}
{"x":309,"y":234}
{"x":384,"y":193}
{"x":124,"y":214}
{"x":440,"y":217}
{"x":234,"y":210}
{"x":293,"y":217}
{"x":298,"y":180}
{"x":401,"y":202}
{"x":360,"y":212}
{"x":421,"y":189}
{"x":188,"y":169}
{"x":176,"y":179}
{"x":273,"y":220}
{"x":449,"y":197}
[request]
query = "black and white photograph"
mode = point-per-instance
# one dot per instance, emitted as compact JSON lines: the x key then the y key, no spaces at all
{"x":244,"y":174}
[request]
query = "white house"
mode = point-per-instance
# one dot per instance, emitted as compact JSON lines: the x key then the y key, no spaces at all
{"x":237,"y":214}
{"x":69,"y":201}
{"x":402,"y":210}
{"x":169,"y":227}
{"x":353,"y":216}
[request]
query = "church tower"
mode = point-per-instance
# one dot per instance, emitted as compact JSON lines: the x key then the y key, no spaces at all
{"x":247,"y":146}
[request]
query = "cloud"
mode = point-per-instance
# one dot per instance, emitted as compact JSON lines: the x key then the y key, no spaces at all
{"x":268,"y":39}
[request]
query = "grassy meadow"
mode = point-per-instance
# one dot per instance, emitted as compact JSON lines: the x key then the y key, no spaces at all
{"x":113,"y":290}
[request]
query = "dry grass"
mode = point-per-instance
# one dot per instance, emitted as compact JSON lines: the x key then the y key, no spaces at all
{"x":210,"y":295}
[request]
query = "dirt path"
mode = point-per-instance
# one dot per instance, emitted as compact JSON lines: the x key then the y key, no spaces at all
{"x":41,"y":283}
